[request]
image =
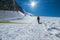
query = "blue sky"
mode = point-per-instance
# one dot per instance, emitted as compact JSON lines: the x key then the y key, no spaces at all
{"x":42,"y":7}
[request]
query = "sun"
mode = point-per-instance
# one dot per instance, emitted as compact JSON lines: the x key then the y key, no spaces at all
{"x":33,"y":4}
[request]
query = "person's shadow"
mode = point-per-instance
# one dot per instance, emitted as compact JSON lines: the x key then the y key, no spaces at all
{"x":39,"y":23}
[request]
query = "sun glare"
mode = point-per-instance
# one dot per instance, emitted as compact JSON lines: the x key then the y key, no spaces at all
{"x":33,"y":4}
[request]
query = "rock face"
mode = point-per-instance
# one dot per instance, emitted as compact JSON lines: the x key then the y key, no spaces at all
{"x":10,"y":5}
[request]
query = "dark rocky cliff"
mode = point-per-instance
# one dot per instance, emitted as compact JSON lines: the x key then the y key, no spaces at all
{"x":10,"y":5}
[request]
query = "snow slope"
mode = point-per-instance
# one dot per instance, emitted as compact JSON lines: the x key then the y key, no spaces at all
{"x":48,"y":30}
{"x":5,"y":15}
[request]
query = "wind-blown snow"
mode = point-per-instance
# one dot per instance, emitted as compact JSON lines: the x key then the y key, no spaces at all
{"x":48,"y":30}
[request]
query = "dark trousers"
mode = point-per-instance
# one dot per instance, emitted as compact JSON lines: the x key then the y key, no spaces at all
{"x":38,"y":21}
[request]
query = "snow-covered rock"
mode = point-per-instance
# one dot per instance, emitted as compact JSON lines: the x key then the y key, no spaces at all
{"x":4,"y":15}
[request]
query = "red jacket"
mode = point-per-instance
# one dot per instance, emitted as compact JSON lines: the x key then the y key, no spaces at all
{"x":38,"y":18}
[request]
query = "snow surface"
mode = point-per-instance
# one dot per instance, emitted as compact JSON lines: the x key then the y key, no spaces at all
{"x":5,"y":15}
{"x":48,"y":30}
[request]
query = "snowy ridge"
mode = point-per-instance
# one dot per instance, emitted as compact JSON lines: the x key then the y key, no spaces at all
{"x":48,"y":30}
{"x":5,"y":15}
